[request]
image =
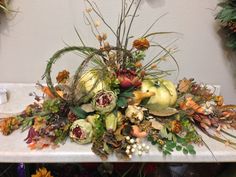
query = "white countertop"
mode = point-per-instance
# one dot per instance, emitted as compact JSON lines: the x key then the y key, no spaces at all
{"x":14,"y":149}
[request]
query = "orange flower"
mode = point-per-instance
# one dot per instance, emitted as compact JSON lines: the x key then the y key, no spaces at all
{"x":176,"y":126}
{"x":42,"y":172}
{"x":153,"y":66}
{"x":141,"y":44}
{"x":62,"y":76}
{"x":138,"y":64}
{"x":8,"y":125}
{"x":219,"y":100}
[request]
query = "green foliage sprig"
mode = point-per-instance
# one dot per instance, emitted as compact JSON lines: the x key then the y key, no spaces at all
{"x":227,"y":18}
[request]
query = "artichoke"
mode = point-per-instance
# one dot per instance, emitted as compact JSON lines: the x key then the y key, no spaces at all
{"x":81,"y":132}
{"x":104,"y":101}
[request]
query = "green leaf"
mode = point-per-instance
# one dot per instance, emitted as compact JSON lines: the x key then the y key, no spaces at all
{"x":169,"y":149}
{"x":174,"y":138}
{"x":169,"y":136}
{"x":192,"y":151}
{"x":52,"y":105}
{"x":126,"y":94}
{"x":178,"y":148}
{"x":149,"y":138}
{"x":163,"y":132}
{"x":153,"y":142}
{"x":190,"y":147}
{"x":170,"y":144}
{"x":79,"y":112}
{"x":180,"y":140}
{"x":165,"y":152}
{"x":185,"y":151}
{"x":122,"y":102}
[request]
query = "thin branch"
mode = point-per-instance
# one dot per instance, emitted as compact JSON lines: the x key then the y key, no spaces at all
{"x":98,"y":10}
{"x":153,"y":59}
{"x":151,"y":26}
{"x":173,"y":58}
{"x":80,"y":38}
{"x":127,"y":12}
{"x":127,"y":34}
{"x":233,"y":136}
{"x":89,"y":24}
{"x":98,"y":14}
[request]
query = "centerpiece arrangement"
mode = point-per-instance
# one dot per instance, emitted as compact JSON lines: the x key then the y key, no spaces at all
{"x":118,"y":102}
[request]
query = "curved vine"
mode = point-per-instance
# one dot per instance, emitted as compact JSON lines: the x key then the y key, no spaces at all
{"x":47,"y":74}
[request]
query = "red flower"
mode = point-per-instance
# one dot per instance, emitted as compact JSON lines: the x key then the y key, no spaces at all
{"x":128,"y":78}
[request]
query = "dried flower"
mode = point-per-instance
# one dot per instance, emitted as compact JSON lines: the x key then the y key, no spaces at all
{"x":138,"y":64}
{"x":143,"y":73}
{"x":42,"y":172}
{"x":8,"y":125}
{"x":153,"y":66}
{"x":134,"y":113}
{"x":141,"y":44}
{"x":175,"y":126}
{"x":97,"y":23}
{"x":62,"y":76}
{"x":219,"y":100}
{"x":88,"y":10}
{"x":99,"y":38}
{"x":32,"y":135}
{"x":104,"y":36}
{"x":107,"y":46}
{"x":39,"y":123}
{"x":128,"y":78}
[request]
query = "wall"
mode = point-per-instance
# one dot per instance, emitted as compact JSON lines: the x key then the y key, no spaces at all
{"x":41,"y":27}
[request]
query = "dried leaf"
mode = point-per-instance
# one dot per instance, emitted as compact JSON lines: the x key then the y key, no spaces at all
{"x":164,"y":112}
{"x":156,"y":125}
{"x":184,"y":85}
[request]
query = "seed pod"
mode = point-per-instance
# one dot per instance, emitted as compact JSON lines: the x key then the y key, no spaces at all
{"x":99,"y":38}
{"x":104,"y":36}
{"x":111,"y":122}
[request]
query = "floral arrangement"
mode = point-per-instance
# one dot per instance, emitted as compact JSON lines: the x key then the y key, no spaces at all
{"x":118,"y":102}
{"x":227,"y":18}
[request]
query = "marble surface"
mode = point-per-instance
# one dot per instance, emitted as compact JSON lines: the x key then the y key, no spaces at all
{"x":14,"y":149}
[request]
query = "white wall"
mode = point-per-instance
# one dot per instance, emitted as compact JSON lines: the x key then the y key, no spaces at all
{"x":41,"y":26}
